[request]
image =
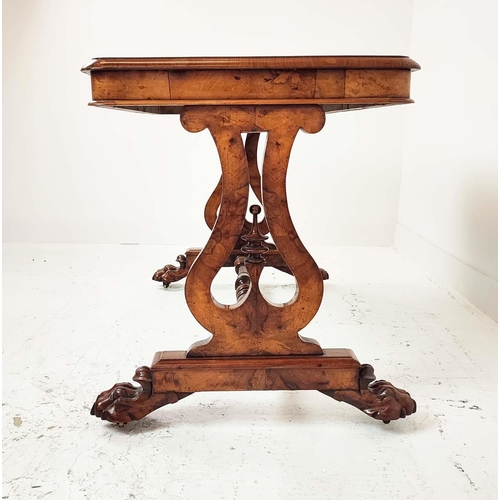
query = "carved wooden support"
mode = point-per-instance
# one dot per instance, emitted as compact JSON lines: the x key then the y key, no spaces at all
{"x":255,"y":344}
{"x":173,"y":376}
{"x":253,"y":326}
{"x":213,"y":203}
{"x":378,"y":399}
{"x":124,"y":402}
{"x":171,"y":273}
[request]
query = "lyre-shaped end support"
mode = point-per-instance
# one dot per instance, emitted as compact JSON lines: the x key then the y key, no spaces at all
{"x":255,"y":240}
{"x":253,"y":326}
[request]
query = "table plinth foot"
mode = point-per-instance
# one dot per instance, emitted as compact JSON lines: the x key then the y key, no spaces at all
{"x":125,"y":402}
{"x":174,"y":376}
{"x":378,"y":399}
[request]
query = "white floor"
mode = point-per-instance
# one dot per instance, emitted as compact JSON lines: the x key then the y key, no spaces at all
{"x":77,"y":319}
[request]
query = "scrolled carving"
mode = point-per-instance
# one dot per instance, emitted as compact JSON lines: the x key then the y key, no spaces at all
{"x":125,"y":402}
{"x":171,"y":273}
{"x":237,"y":329}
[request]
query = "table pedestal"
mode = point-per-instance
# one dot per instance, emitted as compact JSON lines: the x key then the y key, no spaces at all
{"x":255,"y":344}
{"x":172,"y":273}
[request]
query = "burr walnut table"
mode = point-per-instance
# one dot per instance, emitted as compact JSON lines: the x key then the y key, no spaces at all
{"x":255,"y":344}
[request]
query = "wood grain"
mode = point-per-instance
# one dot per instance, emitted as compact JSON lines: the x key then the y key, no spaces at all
{"x":265,"y":62}
{"x":254,"y":326}
{"x":213,"y":203}
{"x":165,"y":85}
{"x":130,"y":85}
{"x":329,"y":83}
{"x":377,"y":83}
{"x":283,"y":125}
{"x":250,"y":85}
{"x":241,"y":84}
{"x":335,"y":369}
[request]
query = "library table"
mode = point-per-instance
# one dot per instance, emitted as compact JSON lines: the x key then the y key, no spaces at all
{"x":254,"y":344}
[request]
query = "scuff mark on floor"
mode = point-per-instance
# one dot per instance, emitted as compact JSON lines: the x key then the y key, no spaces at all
{"x":461,"y":469}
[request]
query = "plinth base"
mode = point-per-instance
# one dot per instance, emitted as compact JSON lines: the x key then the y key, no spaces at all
{"x":172,"y":376}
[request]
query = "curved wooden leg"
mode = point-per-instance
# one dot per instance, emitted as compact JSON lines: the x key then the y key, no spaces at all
{"x":172,"y":273}
{"x":379,"y":399}
{"x":124,"y":402}
{"x":253,"y":326}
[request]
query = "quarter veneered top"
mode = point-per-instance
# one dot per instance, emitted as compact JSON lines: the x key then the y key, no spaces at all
{"x":263,"y":62}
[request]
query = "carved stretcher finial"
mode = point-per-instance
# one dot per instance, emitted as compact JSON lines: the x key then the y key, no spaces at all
{"x":255,"y":247}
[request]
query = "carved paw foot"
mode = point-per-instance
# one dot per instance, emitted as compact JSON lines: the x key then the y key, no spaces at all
{"x":124,"y":402}
{"x":171,"y":273}
{"x":377,"y":398}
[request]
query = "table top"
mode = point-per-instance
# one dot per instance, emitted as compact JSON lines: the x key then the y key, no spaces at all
{"x":165,"y":85}
{"x":261,"y":62}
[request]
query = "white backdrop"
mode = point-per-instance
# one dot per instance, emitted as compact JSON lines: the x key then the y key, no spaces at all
{"x":82,"y":175}
{"x":448,"y":215}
